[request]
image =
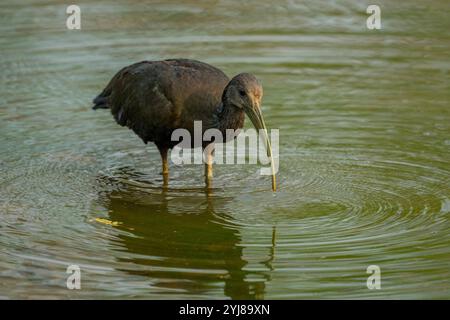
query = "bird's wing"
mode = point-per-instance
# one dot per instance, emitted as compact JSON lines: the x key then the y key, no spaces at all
{"x":154,"y":97}
{"x":196,"y":89}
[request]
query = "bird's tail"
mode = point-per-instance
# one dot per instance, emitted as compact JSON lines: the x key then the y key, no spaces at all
{"x":100,"y":102}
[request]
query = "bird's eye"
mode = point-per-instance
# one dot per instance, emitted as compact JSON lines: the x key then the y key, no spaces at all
{"x":242,"y":93}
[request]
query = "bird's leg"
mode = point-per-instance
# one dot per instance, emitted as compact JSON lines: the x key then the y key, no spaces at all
{"x":208,"y":166}
{"x":165,"y":165}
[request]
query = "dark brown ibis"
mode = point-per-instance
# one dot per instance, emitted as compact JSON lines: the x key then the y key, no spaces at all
{"x":153,"y":98}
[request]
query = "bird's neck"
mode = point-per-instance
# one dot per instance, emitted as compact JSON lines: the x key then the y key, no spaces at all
{"x":229,"y":117}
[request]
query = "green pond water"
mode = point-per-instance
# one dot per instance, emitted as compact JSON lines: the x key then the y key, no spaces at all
{"x":364,"y":120}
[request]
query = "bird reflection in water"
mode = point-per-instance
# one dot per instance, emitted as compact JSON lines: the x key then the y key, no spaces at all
{"x":183,"y":239}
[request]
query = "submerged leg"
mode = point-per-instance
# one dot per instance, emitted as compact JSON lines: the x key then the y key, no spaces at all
{"x":208,"y":167}
{"x":165,"y":165}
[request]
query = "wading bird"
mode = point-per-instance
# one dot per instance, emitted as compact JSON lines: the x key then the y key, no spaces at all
{"x":154,"y":98}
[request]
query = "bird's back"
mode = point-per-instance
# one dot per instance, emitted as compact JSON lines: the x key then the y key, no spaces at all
{"x":155,"y":97}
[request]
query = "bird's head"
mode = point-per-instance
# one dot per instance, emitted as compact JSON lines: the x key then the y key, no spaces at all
{"x":244,"y":91}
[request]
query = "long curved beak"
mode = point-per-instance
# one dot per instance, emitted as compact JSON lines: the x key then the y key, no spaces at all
{"x":257,"y":119}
